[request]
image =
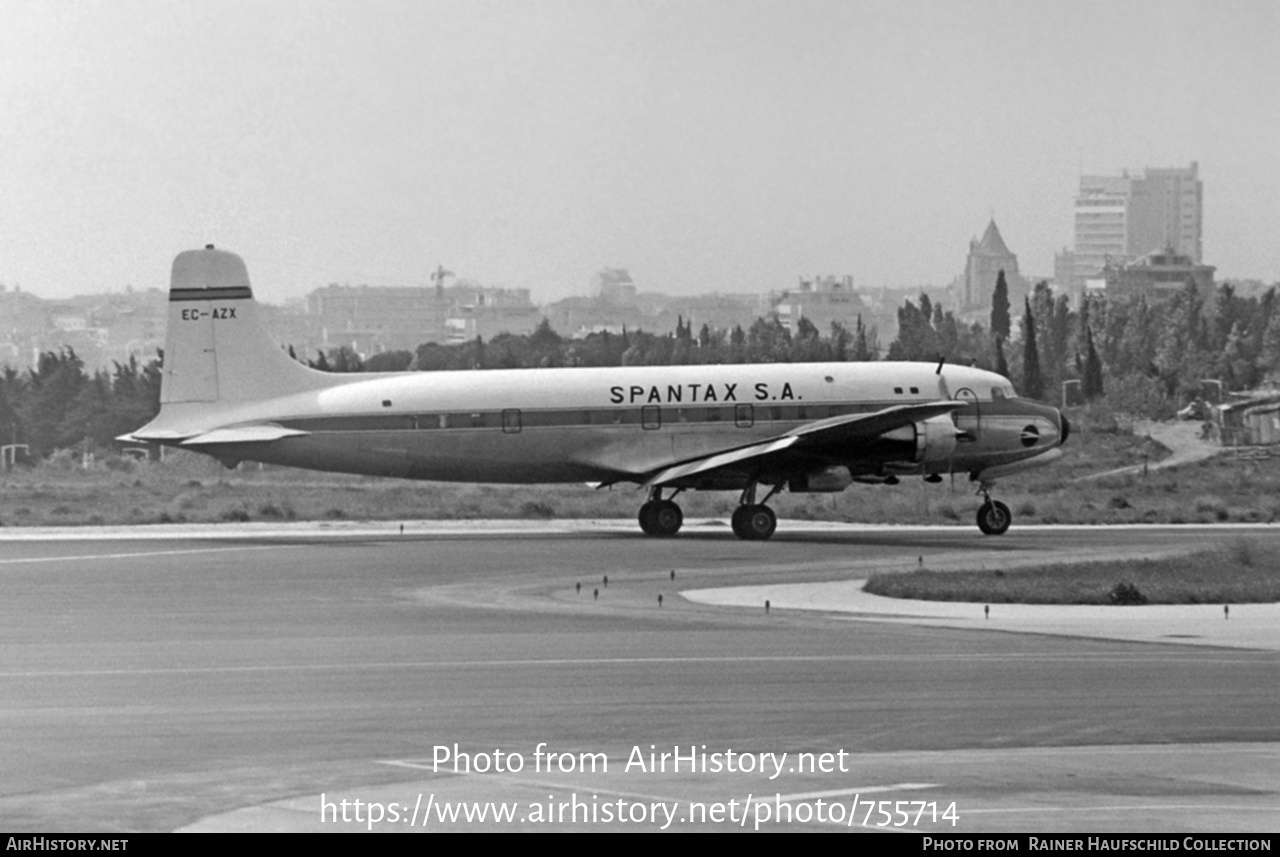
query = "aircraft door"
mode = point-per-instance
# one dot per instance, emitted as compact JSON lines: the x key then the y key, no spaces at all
{"x":968,"y":420}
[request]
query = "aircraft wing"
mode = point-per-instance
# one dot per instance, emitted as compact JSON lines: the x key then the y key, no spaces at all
{"x":836,"y":431}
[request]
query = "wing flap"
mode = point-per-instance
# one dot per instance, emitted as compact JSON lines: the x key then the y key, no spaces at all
{"x":723,"y":459}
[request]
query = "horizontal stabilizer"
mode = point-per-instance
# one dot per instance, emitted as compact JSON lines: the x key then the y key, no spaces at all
{"x":142,"y":435}
{"x":243,"y":434}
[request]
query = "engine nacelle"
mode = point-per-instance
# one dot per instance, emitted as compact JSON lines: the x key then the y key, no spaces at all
{"x":826,"y":480}
{"x":935,"y":442}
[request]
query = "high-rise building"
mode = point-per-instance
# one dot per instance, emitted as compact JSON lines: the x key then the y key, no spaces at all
{"x":1126,"y":217}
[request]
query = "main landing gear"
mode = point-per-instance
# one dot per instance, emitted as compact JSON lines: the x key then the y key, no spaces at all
{"x":660,"y":517}
{"x":754,"y":521}
{"x":994,"y":517}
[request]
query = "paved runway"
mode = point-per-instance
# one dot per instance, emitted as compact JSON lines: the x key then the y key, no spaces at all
{"x":211,"y":681}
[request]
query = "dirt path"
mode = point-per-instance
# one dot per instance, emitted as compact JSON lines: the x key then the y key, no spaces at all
{"x":1181,"y":438}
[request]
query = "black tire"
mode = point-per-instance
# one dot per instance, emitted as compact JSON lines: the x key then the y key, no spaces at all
{"x":666,"y":518}
{"x":754,"y":523}
{"x":994,"y":518}
{"x":646,"y":516}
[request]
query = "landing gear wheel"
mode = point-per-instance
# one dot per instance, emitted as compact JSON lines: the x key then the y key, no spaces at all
{"x":660,"y":518}
{"x":754,"y":522}
{"x":994,"y":518}
{"x":646,"y":518}
{"x":666,"y":518}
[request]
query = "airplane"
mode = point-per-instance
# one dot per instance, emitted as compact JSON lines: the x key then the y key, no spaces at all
{"x":229,"y":391}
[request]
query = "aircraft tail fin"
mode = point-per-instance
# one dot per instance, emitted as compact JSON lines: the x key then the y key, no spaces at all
{"x":216,"y":346}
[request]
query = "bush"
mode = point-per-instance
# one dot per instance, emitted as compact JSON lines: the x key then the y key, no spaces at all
{"x":536,"y":509}
{"x":1245,"y":552}
{"x":63,"y":460}
{"x":1127,"y":594}
{"x":235,"y":513}
{"x":1138,"y":394}
{"x":271,"y":510}
{"x":119,"y":464}
{"x":1211,"y":505}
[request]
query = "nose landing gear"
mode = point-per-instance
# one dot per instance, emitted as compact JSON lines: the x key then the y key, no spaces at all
{"x":994,"y":517}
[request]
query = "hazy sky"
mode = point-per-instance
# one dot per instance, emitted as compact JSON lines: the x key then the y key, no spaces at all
{"x":704,"y":145}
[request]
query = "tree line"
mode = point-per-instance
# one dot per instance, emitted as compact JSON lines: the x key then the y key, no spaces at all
{"x":56,"y":404}
{"x":1142,"y":356}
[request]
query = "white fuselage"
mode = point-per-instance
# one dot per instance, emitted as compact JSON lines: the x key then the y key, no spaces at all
{"x":615,"y":423}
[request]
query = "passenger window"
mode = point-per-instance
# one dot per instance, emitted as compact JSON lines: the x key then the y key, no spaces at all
{"x":997,"y":393}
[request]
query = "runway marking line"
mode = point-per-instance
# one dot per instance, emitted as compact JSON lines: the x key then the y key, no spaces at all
{"x":101,"y":556}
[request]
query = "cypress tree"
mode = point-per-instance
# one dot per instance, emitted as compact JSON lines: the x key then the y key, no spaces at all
{"x":1032,"y":380}
{"x":1000,"y":321}
{"x":1092,"y":369}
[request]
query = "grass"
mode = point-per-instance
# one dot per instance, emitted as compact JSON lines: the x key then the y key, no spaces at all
{"x":191,"y":488}
{"x":1238,"y":572}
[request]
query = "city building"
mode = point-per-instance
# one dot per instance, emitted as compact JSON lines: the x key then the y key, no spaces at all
{"x":1157,"y":276}
{"x":614,"y":285}
{"x":373,"y":319}
{"x":987,"y":258}
{"x":101,"y":329}
{"x":822,"y":300}
{"x":1122,"y":218}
